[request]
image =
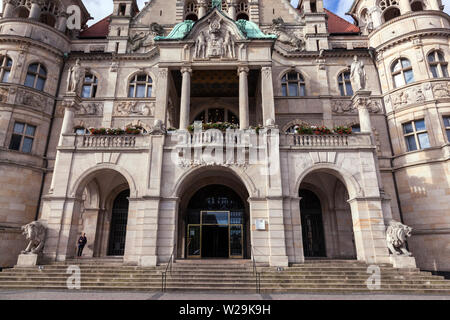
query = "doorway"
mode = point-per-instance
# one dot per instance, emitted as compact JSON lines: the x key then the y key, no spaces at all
{"x":312,"y":225}
{"x":119,"y":219}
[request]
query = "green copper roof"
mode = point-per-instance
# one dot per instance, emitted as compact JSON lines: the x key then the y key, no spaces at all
{"x":249,"y":29}
{"x":252,"y":31}
{"x":179,"y":32}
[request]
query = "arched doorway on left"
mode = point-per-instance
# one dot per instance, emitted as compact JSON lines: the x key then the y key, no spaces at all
{"x":103,"y":213}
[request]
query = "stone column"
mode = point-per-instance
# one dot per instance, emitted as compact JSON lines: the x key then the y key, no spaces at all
{"x":306,"y":6}
{"x":361,"y":101}
{"x":267,"y":99}
{"x":434,"y":5}
{"x":243,"y":97}
{"x":232,"y":9}
{"x":9,"y":8}
{"x":405,"y":6}
{"x":375,"y":14}
{"x":185,"y":98}
{"x":35,"y":12}
{"x":202,"y":6}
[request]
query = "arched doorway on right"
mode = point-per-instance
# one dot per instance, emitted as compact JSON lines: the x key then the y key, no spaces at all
{"x":327,"y":227}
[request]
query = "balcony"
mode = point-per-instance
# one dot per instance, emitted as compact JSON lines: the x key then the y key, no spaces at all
{"x":125,"y":143}
{"x":332,"y":141}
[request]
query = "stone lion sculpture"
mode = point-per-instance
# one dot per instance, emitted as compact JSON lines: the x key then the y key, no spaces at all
{"x":396,"y":235}
{"x":35,"y":233}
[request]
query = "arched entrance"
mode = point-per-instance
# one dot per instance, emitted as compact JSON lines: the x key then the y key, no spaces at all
{"x":215,"y":224}
{"x":326,"y":217}
{"x":119,"y":219}
{"x":312,"y":224}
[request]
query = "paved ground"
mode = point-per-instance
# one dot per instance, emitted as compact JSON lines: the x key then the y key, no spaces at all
{"x":101,"y":295}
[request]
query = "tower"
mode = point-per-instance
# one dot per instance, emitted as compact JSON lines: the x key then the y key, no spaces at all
{"x":34,"y":41}
{"x":120,"y":20}
{"x":409,"y":39}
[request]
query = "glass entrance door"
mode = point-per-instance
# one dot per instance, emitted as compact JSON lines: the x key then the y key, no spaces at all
{"x":219,"y":235}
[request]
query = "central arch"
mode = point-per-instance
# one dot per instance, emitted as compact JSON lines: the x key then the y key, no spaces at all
{"x":213,"y":219}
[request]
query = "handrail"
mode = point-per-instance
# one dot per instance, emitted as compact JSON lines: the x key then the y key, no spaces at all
{"x":169,"y":264}
{"x":256,"y":273}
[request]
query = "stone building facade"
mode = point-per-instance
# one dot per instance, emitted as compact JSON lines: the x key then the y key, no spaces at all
{"x":260,"y":65}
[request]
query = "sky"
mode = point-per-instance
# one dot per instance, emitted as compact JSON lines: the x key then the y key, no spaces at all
{"x":102,"y":8}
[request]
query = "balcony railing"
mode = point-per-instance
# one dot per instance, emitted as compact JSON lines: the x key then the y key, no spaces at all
{"x":305,"y":141}
{"x":108,"y":141}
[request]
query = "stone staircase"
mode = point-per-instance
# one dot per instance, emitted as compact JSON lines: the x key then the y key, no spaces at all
{"x":316,"y":276}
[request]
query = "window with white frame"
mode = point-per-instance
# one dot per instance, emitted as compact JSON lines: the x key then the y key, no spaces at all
{"x":293,"y":85}
{"x":22,"y":137}
{"x":438,"y":65}
{"x":140,"y":86}
{"x":36,"y":76}
{"x":416,"y":135}
{"x":402,"y":72}
{"x":447,"y":127}
{"x":89,"y":86}
{"x":5,"y":68}
{"x":345,"y":84}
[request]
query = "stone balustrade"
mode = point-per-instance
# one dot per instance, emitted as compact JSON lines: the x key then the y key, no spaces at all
{"x":330,"y":141}
{"x":108,"y":142}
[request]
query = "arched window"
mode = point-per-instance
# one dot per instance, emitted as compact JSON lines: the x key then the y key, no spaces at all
{"x":36,"y":76}
{"x":242,"y":11}
{"x":140,"y":86}
{"x":22,"y":12}
{"x":390,"y":9}
{"x":89,"y":86}
{"x":345,"y":84}
{"x":417,"y":5}
{"x":191,"y":12}
{"x":402,"y":72}
{"x":5,"y":68}
{"x":438,"y":65}
{"x":293,"y":85}
{"x":356,"y":128}
{"x":48,"y":19}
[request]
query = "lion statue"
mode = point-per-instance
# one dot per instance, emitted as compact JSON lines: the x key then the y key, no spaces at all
{"x":35,"y":233}
{"x":286,"y":36}
{"x":396,"y":235}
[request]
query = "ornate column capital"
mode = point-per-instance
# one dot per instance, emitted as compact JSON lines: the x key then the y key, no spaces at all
{"x":243,"y":69}
{"x":186,"y":69}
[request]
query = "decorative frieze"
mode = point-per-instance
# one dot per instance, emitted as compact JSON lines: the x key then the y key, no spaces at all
{"x":346,"y":106}
{"x":415,"y":94}
{"x":133,"y":108}
{"x":34,"y":100}
{"x":90,"y":109}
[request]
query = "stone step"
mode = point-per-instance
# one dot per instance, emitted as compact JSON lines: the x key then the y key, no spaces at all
{"x":250,"y":289}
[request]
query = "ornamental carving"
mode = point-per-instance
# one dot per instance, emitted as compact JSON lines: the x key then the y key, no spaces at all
{"x":33,"y":100}
{"x":145,"y":39}
{"x":90,"y":109}
{"x":441,"y":90}
{"x":3,"y":94}
{"x":217,"y":43}
{"x":291,"y":41}
{"x":343,"y":106}
{"x":130,"y":108}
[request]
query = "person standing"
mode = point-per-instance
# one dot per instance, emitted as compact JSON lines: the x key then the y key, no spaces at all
{"x":81,"y":243}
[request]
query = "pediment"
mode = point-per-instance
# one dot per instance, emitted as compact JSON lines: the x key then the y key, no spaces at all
{"x":215,"y":23}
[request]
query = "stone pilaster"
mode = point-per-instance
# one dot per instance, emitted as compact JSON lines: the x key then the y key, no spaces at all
{"x":62,"y":21}
{"x":162,"y":95}
{"x":267,"y":97}
{"x":202,"y":8}
{"x":243,"y":97}
{"x":185,"y":103}
{"x":434,"y":5}
{"x":232,"y":9}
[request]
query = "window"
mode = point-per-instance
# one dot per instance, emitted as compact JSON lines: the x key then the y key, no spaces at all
{"x":36,"y":76}
{"x":140,"y":86}
{"x":416,"y":136}
{"x":81,"y":131}
{"x":447,"y":127}
{"x":191,"y":12}
{"x":356,"y":128}
{"x":417,"y":6}
{"x":402,"y":72}
{"x":390,"y":9}
{"x":89,"y":86}
{"x":214,"y":115}
{"x":5,"y":68}
{"x":242,"y":11}
{"x":345,"y":84}
{"x":438,"y":65}
{"x":293,"y":85}
{"x":22,"y":137}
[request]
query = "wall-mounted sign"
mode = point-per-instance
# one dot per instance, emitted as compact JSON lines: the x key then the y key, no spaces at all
{"x":260,"y":224}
